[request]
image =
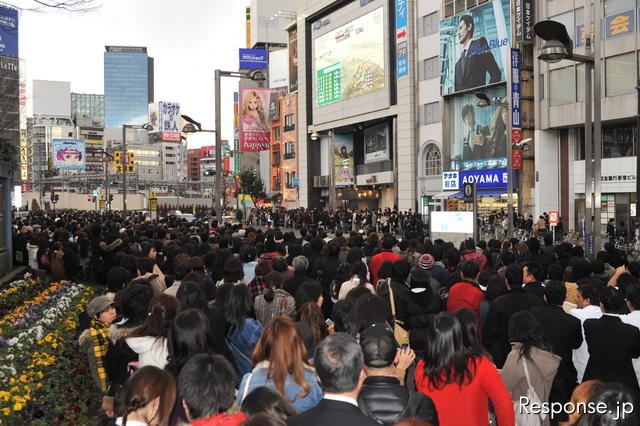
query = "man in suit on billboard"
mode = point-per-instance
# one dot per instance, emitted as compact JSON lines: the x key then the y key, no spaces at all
{"x":474,"y":136}
{"x":476,"y":59}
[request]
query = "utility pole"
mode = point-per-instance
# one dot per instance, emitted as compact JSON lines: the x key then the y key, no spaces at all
{"x":124,"y":167}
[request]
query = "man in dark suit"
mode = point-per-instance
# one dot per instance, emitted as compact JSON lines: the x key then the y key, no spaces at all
{"x":564,"y":331}
{"x":612,"y":344}
{"x":339,"y":365}
{"x":476,"y":59}
{"x":474,"y":136}
{"x":532,"y":276}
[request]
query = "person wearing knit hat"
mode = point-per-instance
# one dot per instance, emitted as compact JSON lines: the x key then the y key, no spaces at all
{"x":426,"y":262}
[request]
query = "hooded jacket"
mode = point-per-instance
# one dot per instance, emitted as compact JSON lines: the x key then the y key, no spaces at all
{"x":542,"y":369}
{"x":157,"y":281}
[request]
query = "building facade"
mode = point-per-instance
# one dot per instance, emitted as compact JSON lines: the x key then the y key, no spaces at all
{"x":284,"y":145}
{"x":193,"y":164}
{"x":41,"y":131}
{"x":356,"y":90}
{"x":91,"y":130}
{"x":128,"y":85}
{"x":88,"y":105}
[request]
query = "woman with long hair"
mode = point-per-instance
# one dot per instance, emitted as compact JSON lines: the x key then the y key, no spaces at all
{"x":531,"y":362}
{"x":280,"y":360}
{"x":498,"y":138}
{"x":148,"y":398}
{"x":310,"y":314}
{"x":454,"y":377}
{"x":189,"y":335}
{"x":343,"y":274}
{"x":264,"y":400}
{"x":358,"y":277}
{"x":149,"y":341}
{"x":244,"y":330}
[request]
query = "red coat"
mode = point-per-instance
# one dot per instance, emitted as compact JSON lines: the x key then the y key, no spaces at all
{"x":221,"y":420}
{"x":377,"y":261}
{"x":479,"y":258}
{"x":467,"y":404}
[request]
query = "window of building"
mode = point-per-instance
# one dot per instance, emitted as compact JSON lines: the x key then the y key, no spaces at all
{"x":276,"y":158}
{"x":433,"y":161}
{"x":289,"y":123}
{"x":430,"y":24}
{"x":276,"y":134}
{"x":276,"y":183}
{"x":618,"y":140}
{"x":621,"y":74}
{"x":562,"y":88}
{"x":568,"y":20}
{"x":289,"y":150}
{"x":430,"y":68}
{"x":430,"y":113}
{"x":613,"y":7}
{"x":453,"y":7}
{"x":290,"y":178}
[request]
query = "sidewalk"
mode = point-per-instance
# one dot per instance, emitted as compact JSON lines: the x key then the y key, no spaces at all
{"x":12,"y":275}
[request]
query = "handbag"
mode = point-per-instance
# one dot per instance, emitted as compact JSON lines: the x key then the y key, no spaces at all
{"x":401,"y":335}
{"x":523,"y":416}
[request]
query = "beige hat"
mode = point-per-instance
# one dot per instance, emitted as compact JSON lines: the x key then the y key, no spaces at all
{"x":98,"y":305}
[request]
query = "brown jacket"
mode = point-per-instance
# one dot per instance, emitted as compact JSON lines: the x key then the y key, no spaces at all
{"x":542,"y":369}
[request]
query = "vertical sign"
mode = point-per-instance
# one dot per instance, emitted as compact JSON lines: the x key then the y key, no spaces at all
{"x":401,"y":38}
{"x":236,"y":132}
{"x":524,"y":21}
{"x":516,"y":126}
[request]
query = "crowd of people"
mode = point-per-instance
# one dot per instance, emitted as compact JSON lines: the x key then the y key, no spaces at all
{"x":250,"y":325}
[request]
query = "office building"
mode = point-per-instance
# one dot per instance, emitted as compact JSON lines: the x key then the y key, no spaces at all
{"x":88,"y":105}
{"x":193,"y":164}
{"x":284,"y":145}
{"x":41,"y":131}
{"x":91,"y":130}
{"x":128,"y":85}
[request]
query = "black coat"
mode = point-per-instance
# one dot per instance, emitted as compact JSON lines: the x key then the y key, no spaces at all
{"x":496,"y":325}
{"x":472,"y":68}
{"x":383,"y":398}
{"x":612,"y":345}
{"x":564,"y":331}
{"x":329,"y":412}
{"x":291,"y":285}
{"x":536,"y":288}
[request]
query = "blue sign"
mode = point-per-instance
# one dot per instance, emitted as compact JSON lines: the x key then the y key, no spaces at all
{"x":491,"y":178}
{"x":402,"y":54}
{"x":8,"y":32}
{"x":296,"y":182}
{"x":620,"y":24}
{"x":515,"y":90}
{"x":253,"y":59}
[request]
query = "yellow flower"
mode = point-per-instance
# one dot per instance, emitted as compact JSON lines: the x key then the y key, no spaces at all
{"x":23,"y":378}
{"x":47,"y":338}
{"x":39,"y":385}
{"x":17,"y":406}
{"x":6,"y":411}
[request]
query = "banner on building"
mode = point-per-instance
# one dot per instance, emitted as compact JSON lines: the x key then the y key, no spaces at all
{"x":376,"y":143}
{"x":254,"y":127}
{"x":293,"y":60}
{"x":236,"y":132}
{"x":253,"y":59}
{"x":8,"y":31}
{"x":516,"y":125}
{"x":343,"y":164}
{"x":402,"y":53}
{"x":68,"y":154}
{"x":279,"y":69}
{"x":478,"y":135}
{"x":474,"y":47}
{"x":524,"y":17}
{"x":493,"y":178}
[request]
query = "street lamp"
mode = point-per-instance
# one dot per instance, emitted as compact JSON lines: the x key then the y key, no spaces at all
{"x":558,"y":46}
{"x":485,"y":101}
{"x":124,"y":158}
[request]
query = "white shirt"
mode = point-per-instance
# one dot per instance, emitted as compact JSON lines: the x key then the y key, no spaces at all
{"x":633,"y":319}
{"x":151,"y":351}
{"x":347,"y":286}
{"x":581,"y":355}
{"x":341,"y":398}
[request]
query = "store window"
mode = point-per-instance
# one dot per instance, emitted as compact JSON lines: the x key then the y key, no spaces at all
{"x":621,"y":74}
{"x":433,"y":161}
{"x":613,"y":7}
{"x":617,"y":141}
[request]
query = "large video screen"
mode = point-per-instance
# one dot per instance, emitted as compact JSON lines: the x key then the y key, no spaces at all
{"x":452,"y":222}
{"x":474,"y":47}
{"x":478,"y":134}
{"x":349,"y":61}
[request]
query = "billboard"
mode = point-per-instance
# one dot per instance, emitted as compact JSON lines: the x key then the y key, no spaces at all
{"x":452,"y":222}
{"x":68,"y":154}
{"x":478,"y":135}
{"x":376,"y":143}
{"x":254,"y":127}
{"x":474,"y":47}
{"x":493,"y":178}
{"x":278,"y":69}
{"x":343,"y":164}
{"x":293,"y":60}
{"x":8,"y":32}
{"x":165,"y":118}
{"x":253,"y":59}
{"x":349,"y":61}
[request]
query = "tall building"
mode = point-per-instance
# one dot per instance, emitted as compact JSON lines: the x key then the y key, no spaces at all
{"x":41,"y":131}
{"x":284,"y":146}
{"x":91,"y":130}
{"x":128,"y":85}
{"x":88,"y":105}
{"x":193,"y":164}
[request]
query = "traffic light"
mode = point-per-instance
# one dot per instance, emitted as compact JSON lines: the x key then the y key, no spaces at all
{"x":208,"y":173}
{"x":113,"y":182}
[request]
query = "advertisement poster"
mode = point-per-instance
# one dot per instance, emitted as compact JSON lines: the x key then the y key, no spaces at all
{"x":293,"y":60}
{"x":478,"y":135}
{"x":254,"y":126}
{"x":343,"y":164}
{"x":474,"y":47}
{"x":349,"y":61}
{"x":68,"y":154}
{"x":252,"y":59}
{"x":376,"y":143}
{"x":8,"y":32}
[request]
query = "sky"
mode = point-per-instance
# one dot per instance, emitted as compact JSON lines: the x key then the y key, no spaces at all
{"x":188,"y":39}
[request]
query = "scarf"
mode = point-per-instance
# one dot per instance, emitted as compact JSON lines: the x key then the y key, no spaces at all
{"x":100,"y":339}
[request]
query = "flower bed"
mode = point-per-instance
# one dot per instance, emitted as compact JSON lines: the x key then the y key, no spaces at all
{"x":43,"y":372}
{"x":18,"y":292}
